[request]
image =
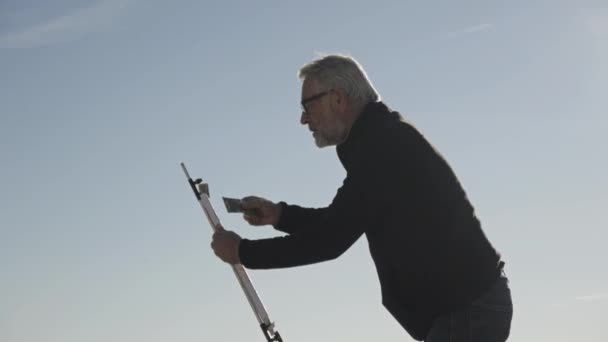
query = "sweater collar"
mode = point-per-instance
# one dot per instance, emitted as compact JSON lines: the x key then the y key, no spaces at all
{"x":370,"y":114}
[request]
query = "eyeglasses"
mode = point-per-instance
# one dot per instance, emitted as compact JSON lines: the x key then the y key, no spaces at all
{"x":309,"y":99}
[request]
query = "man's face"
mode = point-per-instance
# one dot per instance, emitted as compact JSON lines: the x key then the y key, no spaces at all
{"x":322,"y":120}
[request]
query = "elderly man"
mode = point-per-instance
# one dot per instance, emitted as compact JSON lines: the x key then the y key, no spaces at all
{"x":440,"y":277}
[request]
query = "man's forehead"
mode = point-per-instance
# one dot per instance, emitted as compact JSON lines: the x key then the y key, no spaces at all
{"x":309,"y":86}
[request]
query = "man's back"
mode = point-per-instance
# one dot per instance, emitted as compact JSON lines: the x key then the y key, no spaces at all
{"x":428,"y":246}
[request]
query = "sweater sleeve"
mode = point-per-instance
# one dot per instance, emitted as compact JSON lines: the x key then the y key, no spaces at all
{"x":295,"y":219}
{"x":320,"y":236}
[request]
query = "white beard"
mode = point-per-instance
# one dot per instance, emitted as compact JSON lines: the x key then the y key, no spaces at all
{"x":320,"y":140}
{"x":330,"y":136}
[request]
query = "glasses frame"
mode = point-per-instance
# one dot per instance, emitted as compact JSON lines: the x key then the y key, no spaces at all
{"x":312,"y":98}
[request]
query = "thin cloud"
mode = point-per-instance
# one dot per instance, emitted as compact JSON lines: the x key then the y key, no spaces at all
{"x":577,"y":300}
{"x":593,"y":297}
{"x":468,"y":30}
{"x":595,"y":21}
{"x":66,"y":28}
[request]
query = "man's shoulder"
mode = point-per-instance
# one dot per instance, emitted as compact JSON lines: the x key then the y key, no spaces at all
{"x":392,"y":127}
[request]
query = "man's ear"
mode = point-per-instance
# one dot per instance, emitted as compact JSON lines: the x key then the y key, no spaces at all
{"x":341,"y":100}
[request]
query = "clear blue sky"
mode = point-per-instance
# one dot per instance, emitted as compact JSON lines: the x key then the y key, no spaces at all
{"x":102,"y":240}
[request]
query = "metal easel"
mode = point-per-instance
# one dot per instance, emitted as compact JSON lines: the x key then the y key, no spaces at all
{"x":201,"y":191}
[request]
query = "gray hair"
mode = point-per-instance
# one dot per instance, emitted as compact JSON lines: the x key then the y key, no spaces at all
{"x":339,"y":71}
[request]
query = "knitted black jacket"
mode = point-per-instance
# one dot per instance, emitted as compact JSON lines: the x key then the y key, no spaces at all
{"x":430,"y":252}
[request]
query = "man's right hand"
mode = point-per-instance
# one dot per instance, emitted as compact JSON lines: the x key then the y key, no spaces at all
{"x":259,"y":211}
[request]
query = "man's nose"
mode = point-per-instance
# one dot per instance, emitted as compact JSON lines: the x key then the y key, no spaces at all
{"x":304,"y":119}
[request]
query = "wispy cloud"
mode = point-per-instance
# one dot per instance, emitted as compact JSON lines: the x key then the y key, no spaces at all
{"x":595,"y":20}
{"x":582,"y":299}
{"x":593,"y":297}
{"x":468,"y":30}
{"x":66,"y":28}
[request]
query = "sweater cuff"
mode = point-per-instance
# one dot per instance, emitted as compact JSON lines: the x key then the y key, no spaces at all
{"x":282,"y":219}
{"x":244,"y":252}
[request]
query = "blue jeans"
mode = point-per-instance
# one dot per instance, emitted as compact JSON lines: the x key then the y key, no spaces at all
{"x":486,"y":319}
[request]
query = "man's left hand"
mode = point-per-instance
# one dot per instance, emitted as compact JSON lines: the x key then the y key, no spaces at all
{"x":225,"y":245}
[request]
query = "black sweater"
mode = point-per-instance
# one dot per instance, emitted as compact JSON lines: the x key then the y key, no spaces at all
{"x":430,"y":252}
